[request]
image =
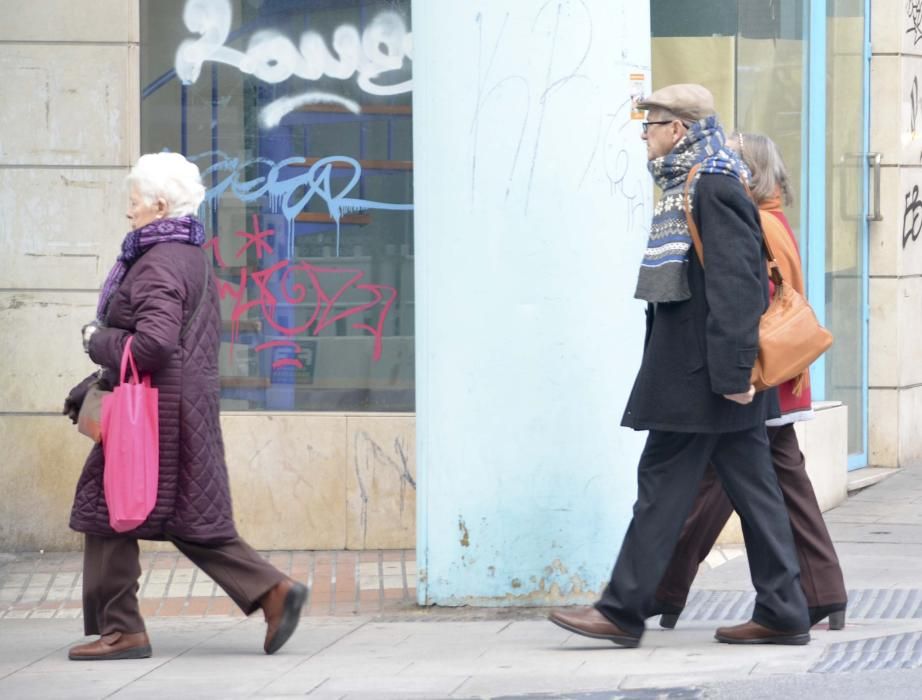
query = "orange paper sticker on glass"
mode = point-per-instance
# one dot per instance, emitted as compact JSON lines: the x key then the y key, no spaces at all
{"x":636,"y":82}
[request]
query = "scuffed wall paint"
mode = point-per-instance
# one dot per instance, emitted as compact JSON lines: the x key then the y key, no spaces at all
{"x":530,"y":178}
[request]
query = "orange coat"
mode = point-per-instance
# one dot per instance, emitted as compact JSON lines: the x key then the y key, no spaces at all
{"x":780,"y":237}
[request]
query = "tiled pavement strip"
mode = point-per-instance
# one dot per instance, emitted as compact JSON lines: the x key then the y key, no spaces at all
{"x":48,"y":585}
{"x":44,"y":586}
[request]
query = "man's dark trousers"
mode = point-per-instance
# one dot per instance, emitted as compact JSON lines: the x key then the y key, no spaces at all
{"x":670,"y":470}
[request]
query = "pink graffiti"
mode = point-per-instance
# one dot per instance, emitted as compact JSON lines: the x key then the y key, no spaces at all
{"x":284,"y":361}
{"x":277,"y":344}
{"x":300,"y":283}
{"x":257,"y":238}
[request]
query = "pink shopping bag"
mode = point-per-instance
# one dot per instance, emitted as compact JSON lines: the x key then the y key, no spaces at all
{"x":131,"y":445}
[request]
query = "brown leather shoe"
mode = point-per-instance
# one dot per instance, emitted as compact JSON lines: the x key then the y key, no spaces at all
{"x":110,"y":647}
{"x":589,"y":622}
{"x":753,"y":633}
{"x":282,"y":608}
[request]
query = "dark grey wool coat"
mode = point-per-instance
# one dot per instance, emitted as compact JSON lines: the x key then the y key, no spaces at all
{"x":702,"y":348}
{"x":157,"y":296}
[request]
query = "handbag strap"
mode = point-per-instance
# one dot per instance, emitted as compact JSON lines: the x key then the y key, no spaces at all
{"x":773,"y":270}
{"x":201,"y":298}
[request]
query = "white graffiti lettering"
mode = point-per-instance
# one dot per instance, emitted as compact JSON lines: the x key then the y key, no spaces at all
{"x":271,"y":115}
{"x":273,"y":58}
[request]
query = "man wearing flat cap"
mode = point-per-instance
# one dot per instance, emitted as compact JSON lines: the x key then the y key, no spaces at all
{"x":693,"y":392}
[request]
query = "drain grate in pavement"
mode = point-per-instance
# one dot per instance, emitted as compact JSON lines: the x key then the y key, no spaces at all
{"x":896,"y":651}
{"x":863,"y":604}
{"x":718,"y":605}
{"x":885,"y":604}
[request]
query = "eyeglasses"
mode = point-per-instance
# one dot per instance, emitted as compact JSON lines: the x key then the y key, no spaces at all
{"x":646,"y":125}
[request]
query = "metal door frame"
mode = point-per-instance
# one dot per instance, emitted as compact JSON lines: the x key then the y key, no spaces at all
{"x":813,"y":201}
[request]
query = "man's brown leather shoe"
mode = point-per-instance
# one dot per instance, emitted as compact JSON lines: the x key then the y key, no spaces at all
{"x":282,"y":608}
{"x":589,"y":622}
{"x":753,"y":633}
{"x":115,"y":645}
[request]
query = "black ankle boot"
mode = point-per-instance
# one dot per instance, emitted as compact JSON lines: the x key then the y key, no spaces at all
{"x":668,"y":614}
{"x":835,"y":613}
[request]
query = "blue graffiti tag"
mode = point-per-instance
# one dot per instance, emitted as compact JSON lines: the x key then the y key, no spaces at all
{"x":315,"y":181}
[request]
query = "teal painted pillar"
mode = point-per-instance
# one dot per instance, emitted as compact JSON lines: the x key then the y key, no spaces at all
{"x":532,"y":209}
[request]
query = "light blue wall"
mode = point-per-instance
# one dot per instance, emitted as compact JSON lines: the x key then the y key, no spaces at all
{"x":532,"y":205}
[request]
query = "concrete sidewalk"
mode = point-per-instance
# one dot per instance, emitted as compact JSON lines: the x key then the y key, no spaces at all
{"x":391,"y":649}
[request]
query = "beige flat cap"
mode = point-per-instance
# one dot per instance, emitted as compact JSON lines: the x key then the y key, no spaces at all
{"x":685,"y":100}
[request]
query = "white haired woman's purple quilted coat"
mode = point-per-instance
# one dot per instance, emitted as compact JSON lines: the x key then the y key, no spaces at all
{"x":158,"y":294}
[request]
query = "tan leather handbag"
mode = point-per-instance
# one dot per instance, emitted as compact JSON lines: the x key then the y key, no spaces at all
{"x":88,"y":421}
{"x":790,"y":336}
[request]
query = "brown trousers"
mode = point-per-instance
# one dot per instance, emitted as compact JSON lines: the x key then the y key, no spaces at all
{"x":820,"y":573}
{"x":112,"y":567}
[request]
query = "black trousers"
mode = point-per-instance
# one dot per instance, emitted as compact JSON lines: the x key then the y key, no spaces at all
{"x":820,"y":573}
{"x":670,"y":471}
{"x":111,"y":568}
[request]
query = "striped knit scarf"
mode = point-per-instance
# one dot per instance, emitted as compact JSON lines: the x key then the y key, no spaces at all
{"x":663,"y":272}
{"x":185,"y":229}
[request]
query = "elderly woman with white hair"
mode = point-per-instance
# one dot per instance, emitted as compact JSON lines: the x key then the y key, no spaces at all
{"x":161,"y":295}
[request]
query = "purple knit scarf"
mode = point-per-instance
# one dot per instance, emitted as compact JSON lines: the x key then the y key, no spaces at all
{"x":185,"y":229}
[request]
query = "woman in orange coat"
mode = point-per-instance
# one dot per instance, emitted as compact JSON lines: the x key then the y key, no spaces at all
{"x":820,"y":573}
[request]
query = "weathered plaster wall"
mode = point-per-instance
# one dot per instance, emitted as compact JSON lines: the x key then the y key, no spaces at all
{"x":70,"y":130}
{"x":895,"y":354}
{"x":532,"y":202}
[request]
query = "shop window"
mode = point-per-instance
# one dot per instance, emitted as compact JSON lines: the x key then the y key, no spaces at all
{"x":750,"y":55}
{"x":299,"y":115}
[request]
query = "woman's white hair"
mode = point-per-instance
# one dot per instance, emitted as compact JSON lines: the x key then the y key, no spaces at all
{"x":171,"y":177}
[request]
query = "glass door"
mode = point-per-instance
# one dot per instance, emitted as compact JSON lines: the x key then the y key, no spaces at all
{"x":843,"y":375}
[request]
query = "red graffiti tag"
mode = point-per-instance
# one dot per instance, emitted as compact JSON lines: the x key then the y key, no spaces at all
{"x":257,"y":238}
{"x":298,"y":283}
